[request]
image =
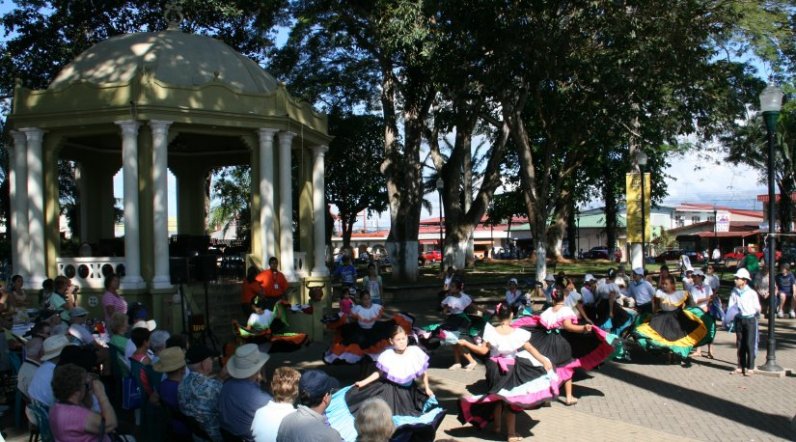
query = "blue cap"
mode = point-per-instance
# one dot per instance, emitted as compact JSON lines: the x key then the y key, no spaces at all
{"x":316,"y":383}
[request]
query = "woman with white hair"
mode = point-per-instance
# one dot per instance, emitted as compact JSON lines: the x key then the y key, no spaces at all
{"x":374,"y":421}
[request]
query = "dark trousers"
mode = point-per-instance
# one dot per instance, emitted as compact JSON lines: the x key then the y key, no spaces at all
{"x":644,"y":308}
{"x":745,"y":332}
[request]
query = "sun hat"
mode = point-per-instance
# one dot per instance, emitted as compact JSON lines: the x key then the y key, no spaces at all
{"x":247,"y":360}
{"x":172,"y":358}
{"x":589,"y":278}
{"x":78,"y":312}
{"x":513,"y":281}
{"x":53,"y":346}
{"x":638,"y":271}
{"x":741,"y":273}
{"x":316,"y":383}
{"x":149,"y":325}
{"x":698,"y":272}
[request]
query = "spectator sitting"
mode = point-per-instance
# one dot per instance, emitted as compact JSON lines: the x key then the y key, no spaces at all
{"x":284,"y":386}
{"x":129,"y":349}
{"x":241,"y":395}
{"x":198,"y":393}
{"x":157,"y":342}
{"x":141,"y":338}
{"x":71,"y":419}
{"x":307,"y":423}
{"x":78,"y":329}
{"x":40,"y":388}
{"x":374,"y":421}
{"x":33,"y":354}
{"x":172,"y":364}
{"x":118,"y":327}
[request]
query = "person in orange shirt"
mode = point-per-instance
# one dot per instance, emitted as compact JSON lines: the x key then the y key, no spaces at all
{"x":249,"y":289}
{"x":273,"y":283}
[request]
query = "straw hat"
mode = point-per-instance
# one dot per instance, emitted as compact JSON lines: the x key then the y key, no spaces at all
{"x":246,"y":361}
{"x":53,"y":346}
{"x":171,"y":359}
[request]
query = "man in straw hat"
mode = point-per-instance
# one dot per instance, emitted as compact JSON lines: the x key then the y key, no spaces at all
{"x":40,"y":388}
{"x":241,"y":395}
{"x":745,"y":301}
{"x":308,"y":423}
{"x":172,"y":364}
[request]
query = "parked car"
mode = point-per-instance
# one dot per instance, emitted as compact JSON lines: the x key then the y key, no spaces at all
{"x":601,"y":252}
{"x":739,"y":252}
{"x":430,"y":256}
{"x":674,"y":255}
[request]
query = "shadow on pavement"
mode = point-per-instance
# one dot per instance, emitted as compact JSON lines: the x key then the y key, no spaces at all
{"x":773,"y":424}
{"x":524,"y":428}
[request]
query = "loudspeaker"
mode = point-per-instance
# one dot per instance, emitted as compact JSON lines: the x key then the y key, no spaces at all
{"x":179,"y":270}
{"x":206,"y":268}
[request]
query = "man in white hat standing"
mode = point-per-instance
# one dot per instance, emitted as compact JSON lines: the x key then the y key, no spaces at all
{"x":642,"y":291}
{"x":241,"y":395}
{"x":40,"y":388}
{"x":745,"y":299}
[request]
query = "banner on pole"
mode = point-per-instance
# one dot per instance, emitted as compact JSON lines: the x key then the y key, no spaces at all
{"x":633,"y":189}
{"x":722,"y":221}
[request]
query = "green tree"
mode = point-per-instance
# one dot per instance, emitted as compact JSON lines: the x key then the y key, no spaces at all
{"x":232,"y":191}
{"x":354,"y":182}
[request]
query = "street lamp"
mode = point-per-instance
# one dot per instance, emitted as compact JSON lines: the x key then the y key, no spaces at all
{"x":770,"y":104}
{"x":440,"y":186}
{"x":641,"y":160}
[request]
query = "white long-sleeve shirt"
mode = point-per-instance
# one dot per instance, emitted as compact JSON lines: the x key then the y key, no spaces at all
{"x":747,"y":300}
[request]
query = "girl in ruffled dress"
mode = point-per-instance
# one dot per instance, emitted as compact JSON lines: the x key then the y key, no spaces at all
{"x":457,"y":324}
{"x":366,"y":334}
{"x":415,"y":410}
{"x":518,"y":377}
{"x":568,"y":345}
{"x":672,"y":327}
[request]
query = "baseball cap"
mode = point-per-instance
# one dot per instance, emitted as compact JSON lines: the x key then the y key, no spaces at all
{"x":78,"y":312}
{"x":316,"y":383}
{"x":638,"y":271}
{"x":588,"y":278}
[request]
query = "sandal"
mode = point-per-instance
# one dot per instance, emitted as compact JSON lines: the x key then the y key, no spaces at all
{"x":709,"y":356}
{"x":748,"y":373}
{"x":515,"y":438}
{"x":569,"y":402}
{"x":736,"y":371}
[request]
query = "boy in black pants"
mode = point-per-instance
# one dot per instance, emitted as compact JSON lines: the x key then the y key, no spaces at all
{"x":745,"y":299}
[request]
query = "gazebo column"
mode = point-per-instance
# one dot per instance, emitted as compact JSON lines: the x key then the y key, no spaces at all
{"x":191,"y":199}
{"x":319,"y":212}
{"x":35,"y":182}
{"x":286,"y":205}
{"x":132,"y":251}
{"x":18,"y":199}
{"x":267,"y":237}
{"x":160,"y":151}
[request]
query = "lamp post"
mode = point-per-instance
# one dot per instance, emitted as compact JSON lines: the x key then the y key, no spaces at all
{"x":491,"y":230}
{"x":641,"y":160}
{"x":770,"y":104}
{"x":440,"y":187}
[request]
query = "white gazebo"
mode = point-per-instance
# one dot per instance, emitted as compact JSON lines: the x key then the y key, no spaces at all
{"x":151,"y":102}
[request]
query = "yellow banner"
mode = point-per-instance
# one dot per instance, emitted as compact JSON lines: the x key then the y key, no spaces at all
{"x":633,"y":187}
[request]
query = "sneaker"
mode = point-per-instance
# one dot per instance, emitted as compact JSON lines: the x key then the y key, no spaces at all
{"x":792,"y":314}
{"x":455,"y":367}
{"x":780,"y":315}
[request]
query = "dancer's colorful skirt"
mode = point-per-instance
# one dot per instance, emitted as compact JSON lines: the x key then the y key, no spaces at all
{"x":521,"y":385}
{"x":678,"y":330}
{"x":569,"y":351}
{"x":352,"y":343}
{"x":415,"y":415}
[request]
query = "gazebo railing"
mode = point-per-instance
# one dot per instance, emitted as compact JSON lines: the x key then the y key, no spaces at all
{"x":89,"y":272}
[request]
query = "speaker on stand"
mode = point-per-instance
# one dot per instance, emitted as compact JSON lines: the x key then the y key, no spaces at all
{"x":206,"y":271}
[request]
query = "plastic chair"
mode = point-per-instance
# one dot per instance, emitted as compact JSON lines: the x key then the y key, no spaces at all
{"x":42,"y":414}
{"x":16,"y":363}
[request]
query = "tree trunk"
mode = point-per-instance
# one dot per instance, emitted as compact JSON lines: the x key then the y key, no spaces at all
{"x":786,"y":187}
{"x":467,"y":189}
{"x":572,"y":232}
{"x":610,"y":211}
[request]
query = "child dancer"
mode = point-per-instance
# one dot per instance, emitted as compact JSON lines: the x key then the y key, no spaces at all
{"x":416,"y":414}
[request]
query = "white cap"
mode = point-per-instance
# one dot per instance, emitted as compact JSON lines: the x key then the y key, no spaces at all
{"x":588,"y":277}
{"x":513,"y":281}
{"x":149,"y":325}
{"x":699,"y":272}
{"x":743,"y":273}
{"x":638,"y":271}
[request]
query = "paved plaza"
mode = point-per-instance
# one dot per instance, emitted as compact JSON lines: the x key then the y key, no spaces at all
{"x":645,"y":399}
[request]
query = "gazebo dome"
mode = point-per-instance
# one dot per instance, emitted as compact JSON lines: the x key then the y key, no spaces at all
{"x":170,"y":57}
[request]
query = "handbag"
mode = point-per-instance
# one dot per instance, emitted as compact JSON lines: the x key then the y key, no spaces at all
{"x":132,"y":396}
